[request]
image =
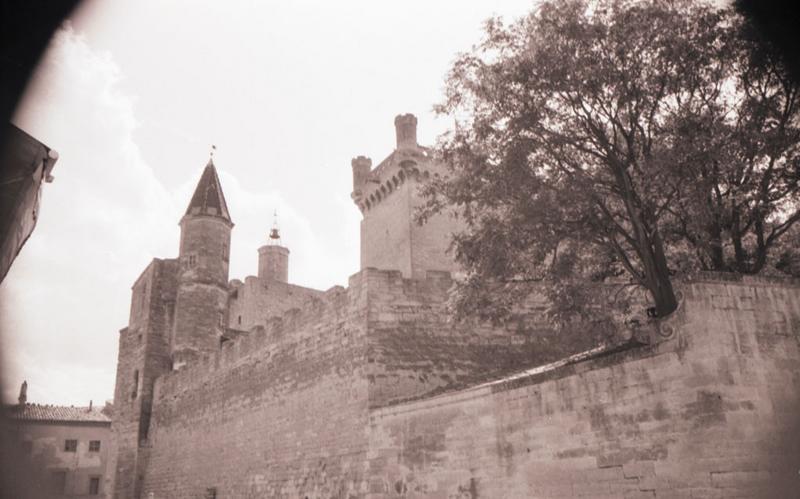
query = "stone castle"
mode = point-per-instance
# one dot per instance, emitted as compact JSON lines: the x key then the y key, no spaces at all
{"x":262,"y":388}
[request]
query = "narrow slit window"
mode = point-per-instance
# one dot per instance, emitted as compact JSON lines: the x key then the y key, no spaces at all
{"x":135,"y":391}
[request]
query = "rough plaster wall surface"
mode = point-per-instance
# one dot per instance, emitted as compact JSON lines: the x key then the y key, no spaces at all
{"x":710,"y":412}
{"x":47,"y":455}
{"x":280,"y":412}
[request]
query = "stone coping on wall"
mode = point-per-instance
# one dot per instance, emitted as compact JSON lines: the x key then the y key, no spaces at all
{"x":255,"y":342}
{"x":260,"y":340}
{"x":238,"y":350}
{"x":730,"y":277}
{"x":596,"y":358}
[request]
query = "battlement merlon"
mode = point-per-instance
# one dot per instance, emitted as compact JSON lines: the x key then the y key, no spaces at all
{"x":409,"y":160}
{"x":405,"y":126}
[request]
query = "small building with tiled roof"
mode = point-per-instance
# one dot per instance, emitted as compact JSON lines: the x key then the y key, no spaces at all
{"x":58,"y":414}
{"x":57,"y":451}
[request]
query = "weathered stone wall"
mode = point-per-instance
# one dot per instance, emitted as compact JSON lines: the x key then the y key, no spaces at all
{"x":416,"y":350}
{"x":389,"y":197}
{"x":254,"y":302}
{"x":280,"y":412}
{"x":143,"y":356}
{"x":712,"y":411}
{"x":202,"y":295}
{"x":386,"y":231}
{"x":273,"y":263}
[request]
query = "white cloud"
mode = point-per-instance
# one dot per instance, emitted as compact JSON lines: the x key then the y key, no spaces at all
{"x":287,"y":107}
{"x":102,"y":220}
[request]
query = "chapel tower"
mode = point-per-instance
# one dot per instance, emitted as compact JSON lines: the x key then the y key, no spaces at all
{"x":202,"y":292}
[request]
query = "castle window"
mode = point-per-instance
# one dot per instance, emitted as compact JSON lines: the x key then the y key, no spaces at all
{"x":239,"y":320}
{"x":70,"y":446}
{"x":225,"y":251}
{"x":191,"y":260}
{"x":94,"y":486}
{"x":135,"y":384}
{"x":211,"y":493}
{"x":94,"y":445}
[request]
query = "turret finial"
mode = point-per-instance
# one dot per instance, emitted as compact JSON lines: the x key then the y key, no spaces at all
{"x":274,"y":233}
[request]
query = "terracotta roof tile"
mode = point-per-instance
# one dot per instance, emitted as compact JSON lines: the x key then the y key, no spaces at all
{"x":56,"y":413}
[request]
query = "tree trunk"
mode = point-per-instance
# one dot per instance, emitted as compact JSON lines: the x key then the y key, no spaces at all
{"x":650,"y":249}
{"x":660,"y":283}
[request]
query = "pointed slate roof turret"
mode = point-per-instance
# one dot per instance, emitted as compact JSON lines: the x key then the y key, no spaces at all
{"x":208,"y":198}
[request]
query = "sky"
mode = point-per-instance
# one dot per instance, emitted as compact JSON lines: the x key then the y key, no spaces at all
{"x":132,"y":94}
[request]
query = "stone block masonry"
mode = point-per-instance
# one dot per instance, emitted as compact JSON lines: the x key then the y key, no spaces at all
{"x":266,"y":389}
{"x":281,"y":412}
{"x":298,"y":409}
{"x":710,"y":412}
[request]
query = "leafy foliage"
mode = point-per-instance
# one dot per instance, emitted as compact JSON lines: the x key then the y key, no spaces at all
{"x":740,"y":154}
{"x":614,"y":141}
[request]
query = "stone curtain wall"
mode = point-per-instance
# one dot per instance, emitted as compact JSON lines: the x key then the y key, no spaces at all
{"x":710,"y":412}
{"x":279,"y":413}
{"x":415,"y":350}
{"x":255,"y":301}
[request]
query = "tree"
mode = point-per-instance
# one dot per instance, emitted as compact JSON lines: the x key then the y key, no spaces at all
{"x":740,"y":150}
{"x":576,"y":142}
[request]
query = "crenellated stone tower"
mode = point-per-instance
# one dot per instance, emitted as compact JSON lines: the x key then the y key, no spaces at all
{"x":388,"y":197}
{"x":202,"y":294}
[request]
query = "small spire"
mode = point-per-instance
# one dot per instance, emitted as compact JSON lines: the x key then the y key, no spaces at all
{"x":208,"y":198}
{"x":274,"y":233}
